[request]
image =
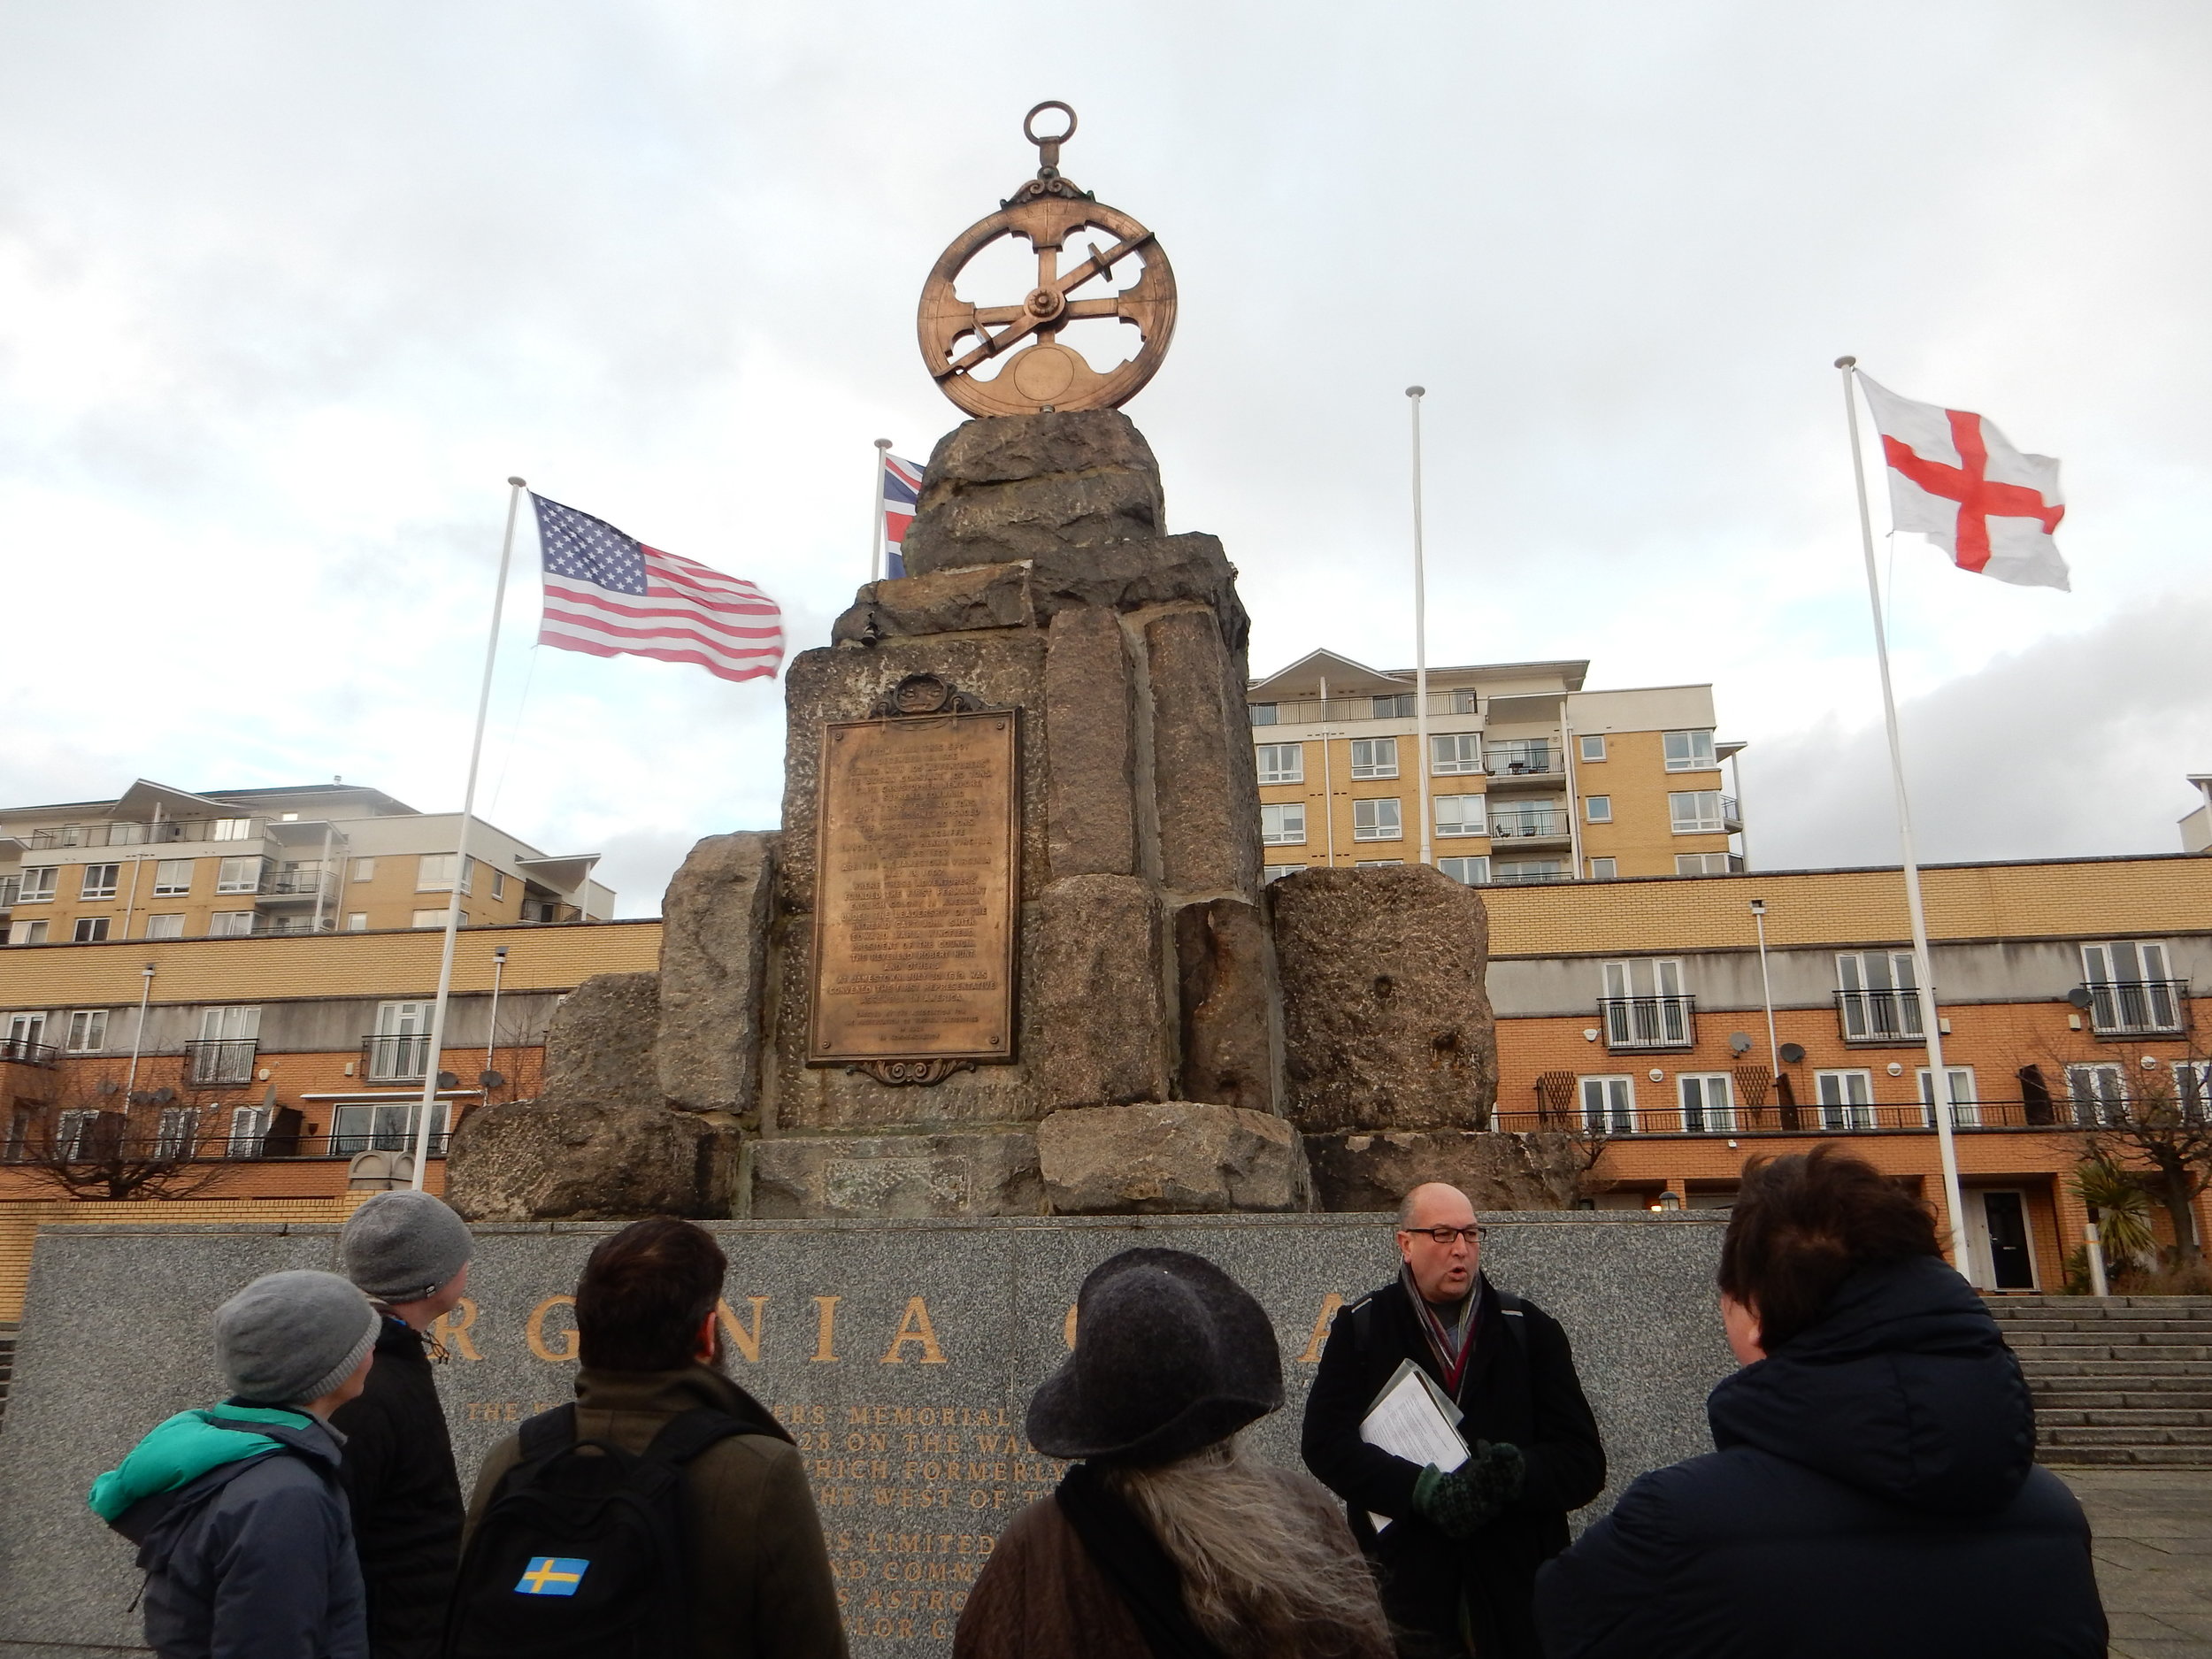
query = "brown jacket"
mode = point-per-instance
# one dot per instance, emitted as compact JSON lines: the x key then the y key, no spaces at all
{"x":1040,"y":1597}
{"x":760,"y":1574}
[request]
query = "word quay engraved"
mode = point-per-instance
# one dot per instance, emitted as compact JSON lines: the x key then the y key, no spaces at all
{"x":918,"y":854}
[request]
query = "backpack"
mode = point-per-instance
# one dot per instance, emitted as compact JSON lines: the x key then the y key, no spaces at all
{"x":581,"y":1552}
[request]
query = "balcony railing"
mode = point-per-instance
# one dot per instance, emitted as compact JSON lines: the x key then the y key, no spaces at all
{"x":298,"y":884}
{"x":1528,"y":826}
{"x":1649,"y":1022}
{"x":1512,"y":878}
{"x":219,"y":1062}
{"x":237,"y":829}
{"x":208,"y":1144}
{"x":1878,"y":1017}
{"x":1524,"y":760}
{"x":2145,"y":1008}
{"x":1811,"y":1117}
{"x":23,"y":1051}
{"x":1397,"y":706}
{"x":389,"y":1059}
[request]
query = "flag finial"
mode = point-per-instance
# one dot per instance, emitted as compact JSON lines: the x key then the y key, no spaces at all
{"x":517,"y":482}
{"x":1846,"y":363}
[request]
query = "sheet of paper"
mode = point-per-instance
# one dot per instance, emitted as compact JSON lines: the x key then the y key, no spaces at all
{"x":1409,"y":1419}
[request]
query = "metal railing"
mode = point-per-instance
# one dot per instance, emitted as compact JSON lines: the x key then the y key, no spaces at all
{"x":1878,"y":1017}
{"x":1528,"y":826}
{"x":1649,"y":1022}
{"x":1527,"y":877}
{"x":2126,"y":1008}
{"x":23,"y":1051}
{"x":129,"y":834}
{"x":298,"y":884}
{"x":210,"y":1144}
{"x":1668,"y":1117}
{"x":219,"y":1062}
{"x":1390,"y":706}
{"x":1509,"y":759}
{"x":393,"y":1059}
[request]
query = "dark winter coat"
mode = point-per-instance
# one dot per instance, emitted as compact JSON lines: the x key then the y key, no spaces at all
{"x":1519,"y":1387}
{"x":1874,"y":1493}
{"x":251,"y":1559}
{"x":405,"y":1495}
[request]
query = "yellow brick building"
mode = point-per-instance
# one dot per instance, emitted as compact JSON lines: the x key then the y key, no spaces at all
{"x":1532,"y":777}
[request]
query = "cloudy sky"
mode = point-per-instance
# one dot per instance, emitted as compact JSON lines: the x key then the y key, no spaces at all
{"x":286,"y":292}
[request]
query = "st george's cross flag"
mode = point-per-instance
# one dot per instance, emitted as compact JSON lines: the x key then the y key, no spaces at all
{"x":1954,"y":479}
{"x":902,"y":488}
{"x":609,"y":594}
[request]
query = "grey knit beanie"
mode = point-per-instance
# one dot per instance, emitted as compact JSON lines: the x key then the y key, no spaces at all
{"x":289,"y":1338}
{"x":402,"y":1246}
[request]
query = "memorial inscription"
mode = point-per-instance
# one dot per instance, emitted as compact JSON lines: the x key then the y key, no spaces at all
{"x":914,"y":916}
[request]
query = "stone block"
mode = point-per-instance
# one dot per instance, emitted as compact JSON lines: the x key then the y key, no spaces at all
{"x":1224,"y":972}
{"x":1100,"y":993}
{"x":1128,"y":576}
{"x":1385,"y":1022}
{"x":1208,"y":804}
{"x":599,"y":1047}
{"x":962,"y":601}
{"x":714,"y":965}
{"x":1014,"y":487}
{"x":1091,"y":787}
{"x":573,"y":1160}
{"x":1177,"y":1158}
{"x":1366,"y":1172}
{"x":902,"y":1177}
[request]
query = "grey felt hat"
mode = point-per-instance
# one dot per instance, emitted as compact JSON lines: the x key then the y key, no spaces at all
{"x":1170,"y":1354}
{"x":288,"y":1338}
{"x":402,"y":1246}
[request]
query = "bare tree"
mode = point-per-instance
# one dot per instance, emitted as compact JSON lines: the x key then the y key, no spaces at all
{"x":97,"y":1143}
{"x":2158,"y":1126}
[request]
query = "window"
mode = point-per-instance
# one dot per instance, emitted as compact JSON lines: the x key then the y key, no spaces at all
{"x":1263,"y":713}
{"x":1593,"y":747}
{"x":1374,"y":758}
{"x":2130,"y":993}
{"x":1473,"y":873}
{"x":1604,"y":868}
{"x":231,"y":829}
{"x":1696,"y":812}
{"x":75,"y":1133}
{"x":357,"y":921}
{"x":2192,"y":1089}
{"x":249,"y":1130}
{"x":9,"y":886}
{"x":1688,"y":751}
{"x":1464,"y":702}
{"x":1279,"y":763}
{"x":1706,"y":1104}
{"x":1879,"y":997}
{"x":364,"y":870}
{"x":1276,"y":872}
{"x":1379,"y":864}
{"x":436,"y":918}
{"x":1847,"y":1099}
{"x":1283,"y":826}
{"x":1704,"y":863}
{"x":177,"y":1131}
{"x":1598,"y":808}
{"x":238,"y":875}
{"x":88,"y":1030}
{"x":1608,"y":1105}
{"x":171,"y":877}
{"x":90,"y":930}
{"x":230,"y":924}
{"x":127,"y":834}
{"x":28,"y":933}
{"x":1643,"y":1005}
{"x":164,"y":927}
{"x":1376,"y":821}
{"x":1965,"y":1114}
{"x":224,"y":1054}
{"x":1455,"y":754}
{"x":230,"y":1024}
{"x":376,"y":1127}
{"x":38,"y":884}
{"x":400,"y":1046}
{"x":1398,"y":706}
{"x":26,"y":1031}
{"x":1518,"y":872}
{"x":99,"y":881}
{"x":434,"y":873}
{"x":2099,"y":1095}
{"x":1515,"y":757}
{"x":1539,"y":820}
{"x":1461,"y":814}
{"x":499,"y":884}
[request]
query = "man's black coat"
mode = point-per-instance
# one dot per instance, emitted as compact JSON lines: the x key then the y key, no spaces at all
{"x":1519,"y":1387}
{"x":406,"y":1497}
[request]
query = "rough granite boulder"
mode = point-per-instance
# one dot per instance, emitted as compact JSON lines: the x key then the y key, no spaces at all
{"x":1175,"y":1158}
{"x":1370,"y":1172}
{"x":911,"y":1177}
{"x":574,"y":1160}
{"x":1100,"y":993}
{"x":1385,"y":1022}
{"x":600,"y":1045}
{"x":1227,"y":995}
{"x":713,"y":972}
{"x":1016,"y":486}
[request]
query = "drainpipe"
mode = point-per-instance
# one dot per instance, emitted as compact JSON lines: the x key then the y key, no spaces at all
{"x":138,"y":1036}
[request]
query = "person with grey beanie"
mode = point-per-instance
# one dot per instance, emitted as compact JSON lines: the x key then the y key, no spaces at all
{"x":409,"y":1254}
{"x":242,"y":1530}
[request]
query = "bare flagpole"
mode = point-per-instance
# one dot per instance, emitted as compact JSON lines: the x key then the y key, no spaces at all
{"x":430,"y":1068}
{"x":1414,"y":394}
{"x":883,"y":466}
{"x":1923,"y":971}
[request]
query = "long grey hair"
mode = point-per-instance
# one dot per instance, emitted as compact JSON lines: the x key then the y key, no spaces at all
{"x":1265,"y":1570}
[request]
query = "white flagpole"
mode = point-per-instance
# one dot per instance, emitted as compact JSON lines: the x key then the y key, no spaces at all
{"x":883,"y":468}
{"x":1414,"y":394}
{"x":1938,"y":1079}
{"x":461,"y":851}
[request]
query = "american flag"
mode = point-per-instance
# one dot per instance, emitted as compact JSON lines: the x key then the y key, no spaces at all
{"x":608,"y":594}
{"x":902,"y":486}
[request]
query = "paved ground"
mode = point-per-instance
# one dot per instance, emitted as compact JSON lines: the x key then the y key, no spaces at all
{"x":2154,"y":1529}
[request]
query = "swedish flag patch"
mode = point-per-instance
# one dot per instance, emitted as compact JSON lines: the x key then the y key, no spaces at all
{"x":552,"y":1575}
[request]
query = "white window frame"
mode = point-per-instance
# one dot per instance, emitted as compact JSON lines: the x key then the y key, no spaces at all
{"x":434,"y":873}
{"x":1392,"y":705}
{"x":88,"y":1030}
{"x":1966,"y":1110}
{"x":1472,"y":872}
{"x":499,"y":884}
{"x":398,"y":1060}
{"x":230,"y":924}
{"x":357,"y":921}
{"x":2130,"y":984}
{"x":1605,"y":869}
{"x":231,"y":829}
{"x":1597,"y":808}
{"x":93,"y":884}
{"x":1843,"y":1112}
{"x":39,"y":883}
{"x":1282,"y":824}
{"x":177,"y":1131}
{"x":2192,"y":1089}
{"x":1708,"y":1100}
{"x":1378,"y":864}
{"x":1695,"y":751}
{"x":1455,"y":754}
{"x":1664,"y":1022}
{"x":1702,"y":864}
{"x":1608,"y":1103}
{"x":33,"y":932}
{"x":1856,"y":975}
{"x":1527,"y":871}
{"x":167,"y":883}
{"x":1381,"y":757}
{"x":1592,"y":748}
{"x":1270,"y":758}
{"x":28,"y":1027}
{"x":1265,"y":713}
{"x":249,"y":1128}
{"x":90,"y":930}
{"x":436,"y":918}
{"x":364,"y":868}
{"x":1276,"y":872}
{"x":2097,"y":1092}
{"x":234,"y":876}
{"x":72,"y":1128}
{"x":382,"y":1125}
{"x":1459,"y":815}
{"x":1693,"y":819}
{"x":1385,"y":817}
{"x":164,"y":924}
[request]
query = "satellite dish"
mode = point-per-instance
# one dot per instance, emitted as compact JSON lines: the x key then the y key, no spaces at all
{"x":2080,"y":996}
{"x":163,"y":1097}
{"x":489,"y":1079}
{"x":1740,"y":1042}
{"x":446,"y":1080}
{"x":142,"y":1097}
{"x":107,"y":1085}
{"x":1791,"y":1053}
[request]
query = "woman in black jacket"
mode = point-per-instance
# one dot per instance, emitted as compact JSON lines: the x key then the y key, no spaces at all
{"x":1875,"y":1490}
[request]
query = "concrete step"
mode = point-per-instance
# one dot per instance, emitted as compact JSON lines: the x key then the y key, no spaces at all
{"x":2121,"y":1417}
{"x":2034,"y":1359}
{"x":2115,"y":1398}
{"x":2133,"y":1371}
{"x":2131,"y":1456}
{"x":2134,"y":1437}
{"x":2150,"y":1333}
{"x":2006,"y":1307}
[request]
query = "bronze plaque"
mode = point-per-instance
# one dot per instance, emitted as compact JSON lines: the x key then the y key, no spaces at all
{"x":919,"y":845}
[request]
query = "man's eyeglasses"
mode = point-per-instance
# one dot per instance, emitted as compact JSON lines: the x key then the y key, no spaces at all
{"x":1444,"y":1235}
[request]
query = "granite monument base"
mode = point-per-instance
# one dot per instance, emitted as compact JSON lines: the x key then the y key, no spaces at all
{"x":900,"y":1354}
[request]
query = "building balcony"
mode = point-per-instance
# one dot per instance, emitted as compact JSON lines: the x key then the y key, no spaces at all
{"x":1511,"y":831}
{"x":1540,"y":873}
{"x":1874,"y":1018}
{"x":2145,"y":1008}
{"x":297,"y":886}
{"x":389,"y":1059}
{"x":161,"y":835}
{"x":1632,"y":1023}
{"x":1514,"y":765}
{"x":1390,"y":706}
{"x":1670,"y":1118}
{"x":219,"y":1063}
{"x":197,"y":1143}
{"x":23,"y":1051}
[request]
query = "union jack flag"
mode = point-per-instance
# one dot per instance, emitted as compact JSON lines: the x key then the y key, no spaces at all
{"x":608,"y":594}
{"x":902,"y":487}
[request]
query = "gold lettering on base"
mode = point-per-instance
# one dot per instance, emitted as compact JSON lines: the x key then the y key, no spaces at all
{"x":746,"y":1342}
{"x":1067,"y":1330}
{"x":450,"y":1330}
{"x":826,"y":1330}
{"x":915,"y":1327}
{"x":1330,"y":1303}
{"x":534,"y":1331}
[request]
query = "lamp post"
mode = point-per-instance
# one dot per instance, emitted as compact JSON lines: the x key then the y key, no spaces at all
{"x":1414,"y":394}
{"x":1766,"y":985}
{"x":491,"y":1034}
{"x":138,"y":1035}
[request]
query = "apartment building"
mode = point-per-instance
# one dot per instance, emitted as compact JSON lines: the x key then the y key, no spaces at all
{"x":1533,"y":777}
{"x":158,"y":863}
{"x":2196,"y":827}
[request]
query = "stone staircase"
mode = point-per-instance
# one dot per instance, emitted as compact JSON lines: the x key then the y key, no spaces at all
{"x":7,"y":1365}
{"x":2116,"y":1380}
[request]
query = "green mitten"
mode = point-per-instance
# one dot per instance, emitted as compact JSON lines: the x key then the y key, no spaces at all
{"x":1461,"y":1503}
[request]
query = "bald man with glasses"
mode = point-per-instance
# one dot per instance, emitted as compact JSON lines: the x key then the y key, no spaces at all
{"x":1459,"y":1556}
